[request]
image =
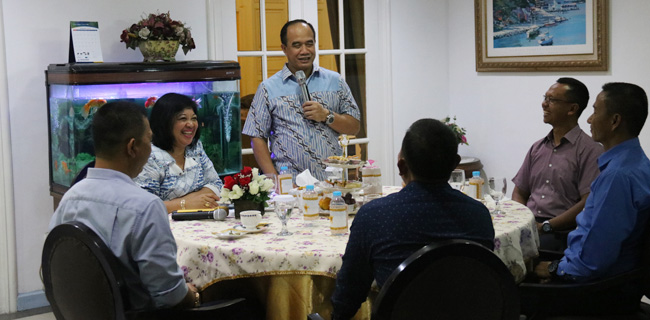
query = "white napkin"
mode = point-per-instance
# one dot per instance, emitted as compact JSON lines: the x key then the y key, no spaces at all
{"x":305,"y":178}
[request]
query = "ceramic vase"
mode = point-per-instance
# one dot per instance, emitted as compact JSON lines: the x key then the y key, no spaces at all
{"x":159,"y":50}
{"x":243,"y":205}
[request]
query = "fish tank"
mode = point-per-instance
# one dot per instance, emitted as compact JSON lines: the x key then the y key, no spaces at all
{"x":76,"y":91}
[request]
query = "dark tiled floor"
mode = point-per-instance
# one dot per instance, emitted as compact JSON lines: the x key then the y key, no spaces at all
{"x":27,"y":313}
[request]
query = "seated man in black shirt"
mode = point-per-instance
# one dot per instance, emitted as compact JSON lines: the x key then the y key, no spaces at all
{"x":386,"y":231}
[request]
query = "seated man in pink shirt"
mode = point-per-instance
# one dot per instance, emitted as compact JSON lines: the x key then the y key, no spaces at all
{"x":554,"y":179}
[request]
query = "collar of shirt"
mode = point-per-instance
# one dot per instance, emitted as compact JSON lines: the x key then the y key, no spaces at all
{"x":109,"y":174}
{"x":570,"y":136}
{"x":286,"y":73}
{"x":614,"y":152}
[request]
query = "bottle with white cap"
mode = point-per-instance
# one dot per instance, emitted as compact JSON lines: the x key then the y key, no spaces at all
{"x":338,"y":214}
{"x":476,"y":186}
{"x":285,"y":181}
{"x":310,"y":199}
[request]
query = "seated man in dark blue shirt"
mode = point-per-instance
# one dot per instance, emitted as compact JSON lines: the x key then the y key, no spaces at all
{"x":386,"y":231}
{"x":608,"y":239}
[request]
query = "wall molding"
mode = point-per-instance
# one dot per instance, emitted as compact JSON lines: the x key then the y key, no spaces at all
{"x":8,"y":276}
{"x":32,"y":300}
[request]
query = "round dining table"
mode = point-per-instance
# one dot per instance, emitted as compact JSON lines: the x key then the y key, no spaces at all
{"x":294,"y":275}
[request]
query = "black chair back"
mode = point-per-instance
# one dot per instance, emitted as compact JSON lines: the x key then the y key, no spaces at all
{"x":451,"y":279}
{"x":81,"y":276}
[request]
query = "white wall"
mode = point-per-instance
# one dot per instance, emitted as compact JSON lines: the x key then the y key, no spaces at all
{"x":36,"y":35}
{"x":502,"y":111}
{"x":420,"y":71}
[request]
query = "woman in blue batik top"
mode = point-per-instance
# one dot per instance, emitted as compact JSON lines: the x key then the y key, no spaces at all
{"x":178,"y":170}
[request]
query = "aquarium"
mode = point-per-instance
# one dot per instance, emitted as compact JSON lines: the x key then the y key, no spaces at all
{"x":71,"y":107}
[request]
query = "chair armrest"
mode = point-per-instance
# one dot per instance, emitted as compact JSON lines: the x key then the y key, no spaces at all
{"x":213,"y":309}
{"x":549,"y":255}
{"x":566,"y":288}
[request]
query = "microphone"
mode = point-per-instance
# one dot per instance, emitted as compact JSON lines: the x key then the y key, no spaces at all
{"x":302,"y":82}
{"x":218,"y":214}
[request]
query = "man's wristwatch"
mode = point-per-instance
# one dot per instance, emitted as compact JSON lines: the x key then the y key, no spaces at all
{"x":546,"y":226}
{"x":330,"y":118}
{"x":552,"y":268}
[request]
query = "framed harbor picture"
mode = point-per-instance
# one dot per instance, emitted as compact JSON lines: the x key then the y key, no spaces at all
{"x":541,"y":35}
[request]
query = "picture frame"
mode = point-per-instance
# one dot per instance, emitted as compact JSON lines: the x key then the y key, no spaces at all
{"x":580,"y":43}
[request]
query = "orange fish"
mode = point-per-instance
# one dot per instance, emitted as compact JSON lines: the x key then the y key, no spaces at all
{"x":150,"y":102}
{"x":93,"y":103}
{"x":56,"y":165}
{"x":65,"y":167}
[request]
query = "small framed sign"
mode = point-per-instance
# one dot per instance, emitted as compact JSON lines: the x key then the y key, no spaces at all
{"x":84,"y":42}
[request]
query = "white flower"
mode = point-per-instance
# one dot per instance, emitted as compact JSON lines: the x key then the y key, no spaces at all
{"x":256,"y":173}
{"x":225,"y":194}
{"x":144,"y":33}
{"x":253,"y":187}
{"x":236,"y":193}
{"x":179,"y":31}
{"x":266,"y":185}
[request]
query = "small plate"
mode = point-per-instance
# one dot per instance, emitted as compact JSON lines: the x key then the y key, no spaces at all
{"x":230,"y":234}
{"x":260,"y":228}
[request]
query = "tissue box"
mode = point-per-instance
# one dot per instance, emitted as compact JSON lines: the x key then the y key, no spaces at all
{"x":372,"y":177}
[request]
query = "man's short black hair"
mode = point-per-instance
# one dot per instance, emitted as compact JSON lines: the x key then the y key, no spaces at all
{"x":628,"y":100}
{"x":577,"y":93}
{"x":430,"y":150}
{"x":283,"y":32}
{"x":163,"y":116}
{"x":114,"y":124}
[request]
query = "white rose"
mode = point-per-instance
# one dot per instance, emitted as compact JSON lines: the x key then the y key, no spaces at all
{"x":256,"y":173}
{"x":144,"y":33}
{"x":267,"y":185}
{"x":225,"y":193}
{"x":236,"y":192}
{"x":253,"y":187}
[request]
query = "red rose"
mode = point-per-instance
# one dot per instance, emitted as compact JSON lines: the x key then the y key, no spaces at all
{"x":229,"y":182}
{"x":247,"y":171}
{"x":244,"y":181}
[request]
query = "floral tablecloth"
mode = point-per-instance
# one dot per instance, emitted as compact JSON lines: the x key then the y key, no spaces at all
{"x":516,"y":239}
{"x":311,"y":250}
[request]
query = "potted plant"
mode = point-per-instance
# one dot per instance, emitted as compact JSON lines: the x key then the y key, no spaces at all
{"x":459,"y":131}
{"x":248,"y":190}
{"x":158,"y":37}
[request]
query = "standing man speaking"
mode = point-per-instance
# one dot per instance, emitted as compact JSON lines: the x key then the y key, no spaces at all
{"x":302,"y":123}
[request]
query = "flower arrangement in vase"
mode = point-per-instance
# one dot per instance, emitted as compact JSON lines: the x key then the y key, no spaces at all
{"x":459,"y":131}
{"x":247,"y":186}
{"x":158,"y":32}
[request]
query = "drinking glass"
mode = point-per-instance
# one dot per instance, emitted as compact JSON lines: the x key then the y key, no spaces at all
{"x":457,"y":179}
{"x":284,"y":205}
{"x":498,"y":187}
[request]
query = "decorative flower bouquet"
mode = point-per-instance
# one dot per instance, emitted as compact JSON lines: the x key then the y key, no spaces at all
{"x":158,"y":27}
{"x":458,"y":130}
{"x":248,"y":184}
